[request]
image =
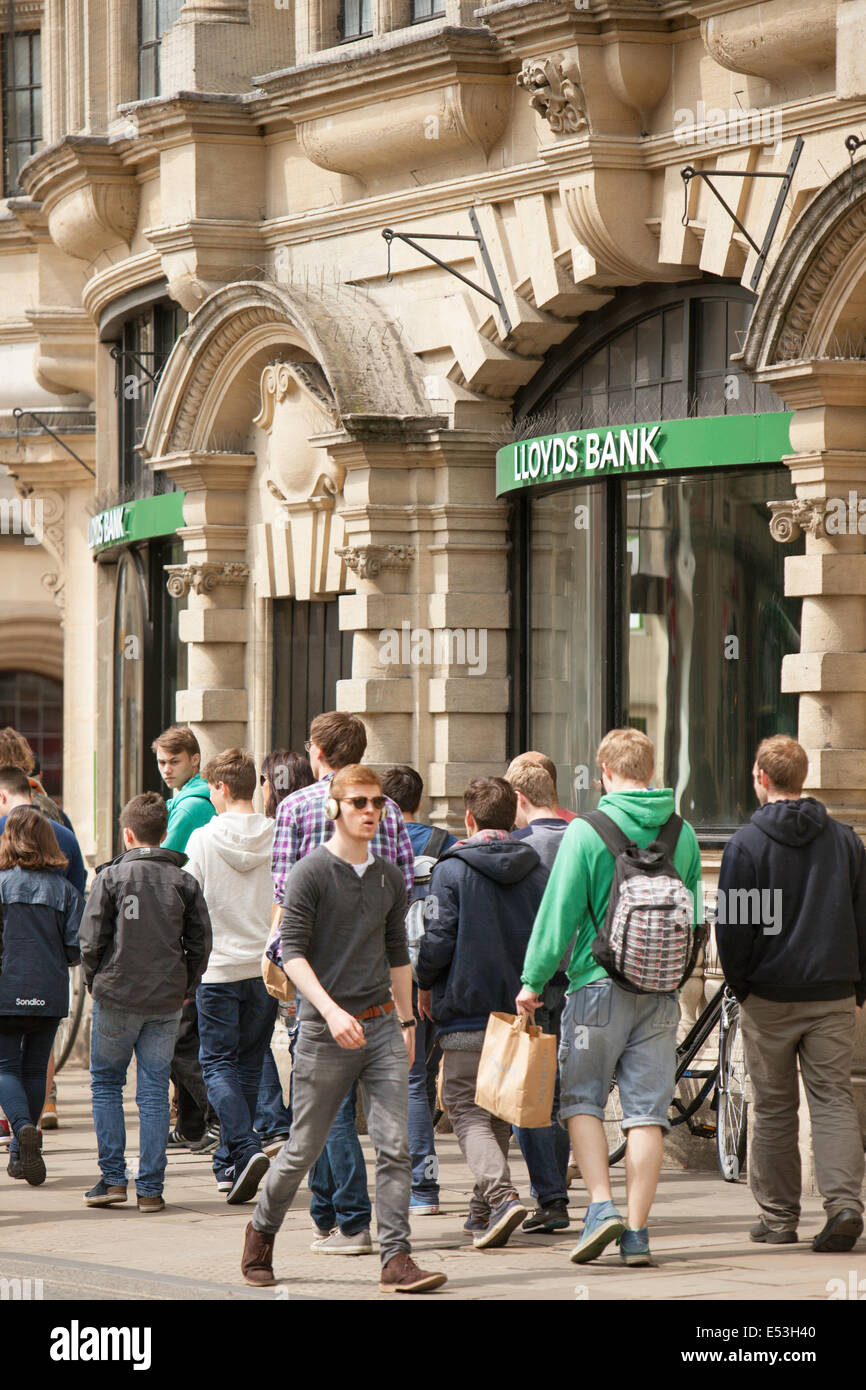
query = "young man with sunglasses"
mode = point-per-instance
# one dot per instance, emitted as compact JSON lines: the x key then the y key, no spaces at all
{"x":340,"y":1205}
{"x":344,"y":948}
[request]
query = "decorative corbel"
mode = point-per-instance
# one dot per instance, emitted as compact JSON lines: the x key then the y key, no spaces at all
{"x":555,"y":92}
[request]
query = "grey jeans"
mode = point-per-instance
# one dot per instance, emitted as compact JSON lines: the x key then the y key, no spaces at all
{"x":483,"y":1138}
{"x":821,"y":1034}
{"x":322,"y":1074}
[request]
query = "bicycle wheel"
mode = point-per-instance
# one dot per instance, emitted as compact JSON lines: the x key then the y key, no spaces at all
{"x":614,"y":1133}
{"x":732,"y":1109}
{"x":64,"y":1038}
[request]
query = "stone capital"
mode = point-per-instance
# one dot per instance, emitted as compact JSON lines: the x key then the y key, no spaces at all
{"x":204,"y":577}
{"x":368,"y":560}
{"x":789,"y":519}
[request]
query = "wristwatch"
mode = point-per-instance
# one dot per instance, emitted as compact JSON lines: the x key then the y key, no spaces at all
{"x":408,"y":1022}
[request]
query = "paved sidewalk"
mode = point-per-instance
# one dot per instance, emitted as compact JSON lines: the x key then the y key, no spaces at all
{"x":192,"y":1250}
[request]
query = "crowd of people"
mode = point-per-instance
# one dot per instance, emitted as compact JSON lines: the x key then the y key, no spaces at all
{"x":209,"y":898}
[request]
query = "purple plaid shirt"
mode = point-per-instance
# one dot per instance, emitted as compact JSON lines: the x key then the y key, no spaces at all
{"x":302,"y":826}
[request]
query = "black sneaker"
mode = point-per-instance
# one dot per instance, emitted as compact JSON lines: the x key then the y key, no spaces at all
{"x":765,"y":1236}
{"x":207,"y":1143}
{"x":175,"y":1141}
{"x":553,"y":1217}
{"x":13,"y":1168}
{"x":840,"y":1233}
{"x":247,"y":1179}
{"x":30,"y":1157}
{"x":105,"y":1194}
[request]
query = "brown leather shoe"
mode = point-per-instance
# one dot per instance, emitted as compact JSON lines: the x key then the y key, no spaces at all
{"x":402,"y":1275}
{"x":257,"y":1261}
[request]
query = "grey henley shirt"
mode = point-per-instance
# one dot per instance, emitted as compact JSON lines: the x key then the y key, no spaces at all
{"x":350,"y":929}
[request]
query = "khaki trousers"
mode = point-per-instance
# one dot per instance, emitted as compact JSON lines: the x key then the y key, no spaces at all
{"x":483,"y":1138}
{"x":820,"y":1033}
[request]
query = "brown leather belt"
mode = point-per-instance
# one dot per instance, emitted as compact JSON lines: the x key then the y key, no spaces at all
{"x":377,"y":1011}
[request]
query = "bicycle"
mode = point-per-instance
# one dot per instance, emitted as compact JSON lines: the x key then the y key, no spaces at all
{"x":67,"y":1032}
{"x":726,"y":1076}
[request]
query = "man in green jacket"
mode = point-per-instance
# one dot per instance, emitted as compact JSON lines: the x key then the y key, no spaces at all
{"x":607,"y":1029}
{"x":178,"y":758}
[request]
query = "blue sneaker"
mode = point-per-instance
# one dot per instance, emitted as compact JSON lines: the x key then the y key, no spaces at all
{"x":634,"y":1247}
{"x":601,"y":1225}
{"x":419,"y":1206}
{"x":474,"y":1224}
{"x":502,"y":1222}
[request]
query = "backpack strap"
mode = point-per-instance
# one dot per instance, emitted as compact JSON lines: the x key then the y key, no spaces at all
{"x":607,"y":830}
{"x":670,"y":833}
{"x":436,"y":843}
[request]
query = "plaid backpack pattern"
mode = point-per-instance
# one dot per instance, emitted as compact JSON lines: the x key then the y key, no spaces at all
{"x":647,"y":942}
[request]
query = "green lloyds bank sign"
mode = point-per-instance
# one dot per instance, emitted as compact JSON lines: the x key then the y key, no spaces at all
{"x":136,"y":521}
{"x":668,"y":446}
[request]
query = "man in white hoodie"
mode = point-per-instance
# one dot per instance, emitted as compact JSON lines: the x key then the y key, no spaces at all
{"x":230,"y":857}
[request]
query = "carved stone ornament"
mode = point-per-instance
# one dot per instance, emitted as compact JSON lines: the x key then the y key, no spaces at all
{"x":790,"y":519}
{"x":204,"y":577}
{"x":367,"y":560}
{"x":555,"y":92}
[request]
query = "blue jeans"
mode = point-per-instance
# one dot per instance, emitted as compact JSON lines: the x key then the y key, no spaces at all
{"x":271,"y":1115}
{"x":235,"y":1023}
{"x":338,"y":1178}
{"x":23,"y":1067}
{"x":545,"y":1151}
{"x":422,"y":1147}
{"x":114,"y":1036}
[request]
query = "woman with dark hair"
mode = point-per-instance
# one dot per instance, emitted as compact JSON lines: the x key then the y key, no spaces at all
{"x":39,"y":916}
{"x":282,"y":773}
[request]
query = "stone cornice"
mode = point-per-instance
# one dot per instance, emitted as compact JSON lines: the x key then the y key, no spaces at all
{"x":107,"y":285}
{"x":414,"y":65}
{"x":527,"y":25}
{"x":162,"y":123}
{"x":214,"y":233}
{"x":24,"y":225}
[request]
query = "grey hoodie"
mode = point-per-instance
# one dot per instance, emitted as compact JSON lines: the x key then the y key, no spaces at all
{"x":231,"y":859}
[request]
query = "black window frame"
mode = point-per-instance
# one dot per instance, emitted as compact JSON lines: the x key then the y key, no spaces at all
{"x":12,"y":139}
{"x":147,"y":337}
{"x":166,"y":14}
{"x":347,"y":36}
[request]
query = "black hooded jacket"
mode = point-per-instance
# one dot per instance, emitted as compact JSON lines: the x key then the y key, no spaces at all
{"x":479,"y":913}
{"x":802,"y":935}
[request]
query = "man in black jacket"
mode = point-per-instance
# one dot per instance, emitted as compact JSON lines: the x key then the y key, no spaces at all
{"x":484,"y":894}
{"x":791,"y":935}
{"x":145,"y":940}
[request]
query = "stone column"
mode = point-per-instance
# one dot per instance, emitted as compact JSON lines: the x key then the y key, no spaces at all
{"x":829,"y":433}
{"x":54,"y":71}
{"x":215,"y":625}
{"x":428,"y":543}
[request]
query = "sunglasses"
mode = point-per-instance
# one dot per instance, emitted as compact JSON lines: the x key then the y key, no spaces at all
{"x":360,"y":802}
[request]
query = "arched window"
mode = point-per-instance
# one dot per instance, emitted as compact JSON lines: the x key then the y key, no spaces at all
{"x":654,"y":599}
{"x":33,"y":705}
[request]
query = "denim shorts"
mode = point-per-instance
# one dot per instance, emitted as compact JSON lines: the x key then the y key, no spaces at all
{"x":606,"y":1030}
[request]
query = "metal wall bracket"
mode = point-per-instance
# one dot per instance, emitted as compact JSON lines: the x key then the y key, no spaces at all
{"x":412,"y":238}
{"x":852,"y":144}
{"x":18,"y":413}
{"x":120,"y":356}
{"x":688,"y":173}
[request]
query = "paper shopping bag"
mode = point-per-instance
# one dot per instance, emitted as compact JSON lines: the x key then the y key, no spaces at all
{"x":517,"y":1071}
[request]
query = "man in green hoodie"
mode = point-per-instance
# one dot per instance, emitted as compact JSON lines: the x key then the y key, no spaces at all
{"x":607,"y":1029}
{"x":178,"y":758}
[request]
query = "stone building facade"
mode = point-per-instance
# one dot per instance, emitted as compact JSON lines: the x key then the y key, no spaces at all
{"x":197,"y":300}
